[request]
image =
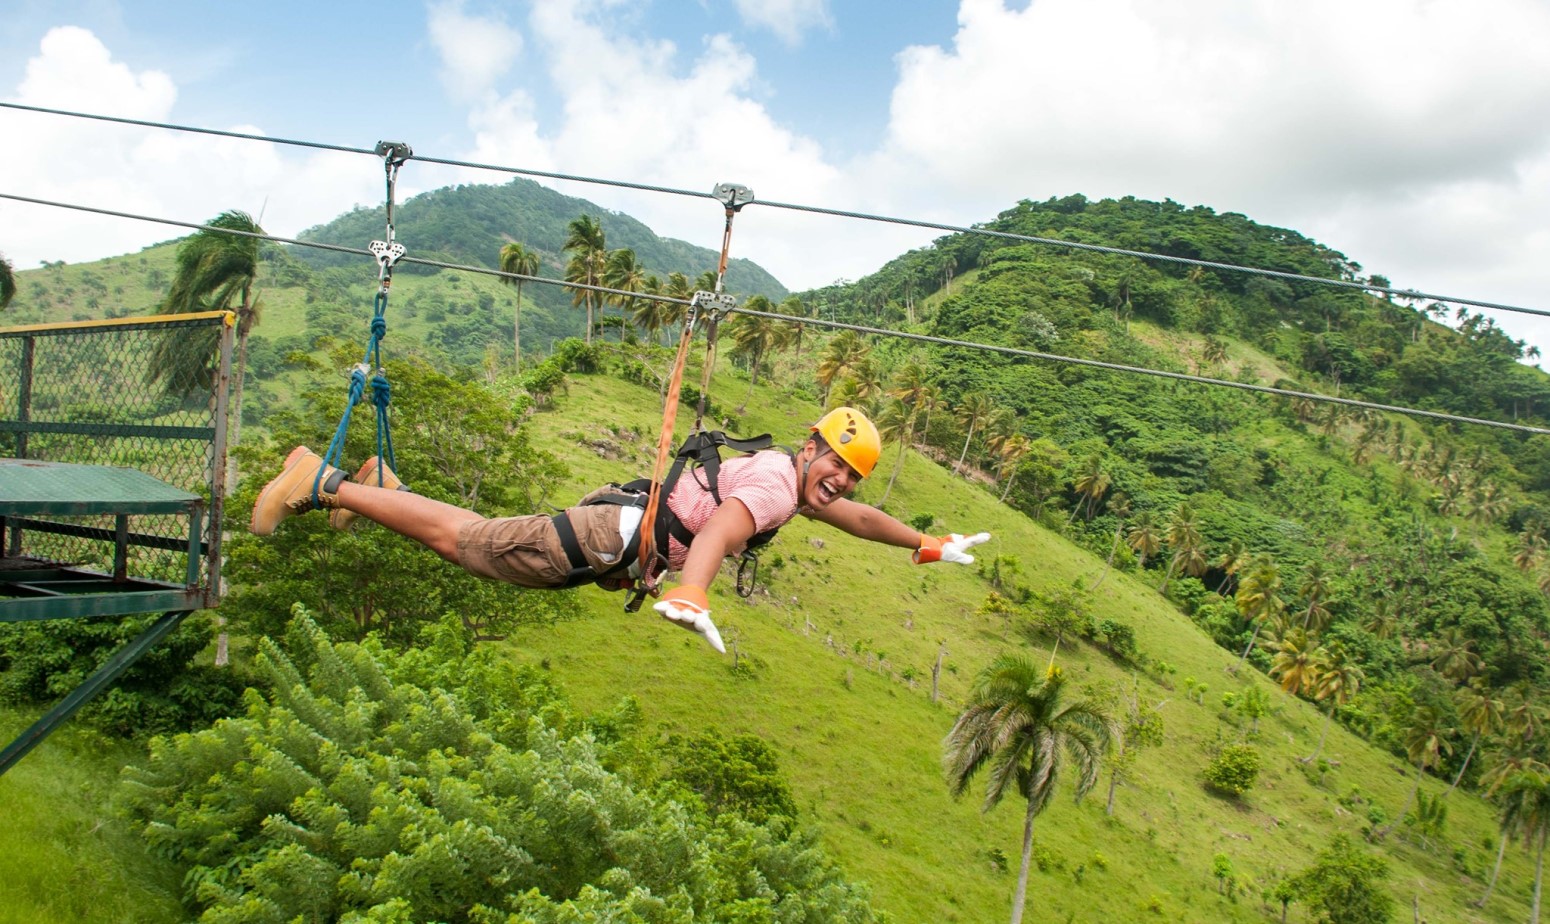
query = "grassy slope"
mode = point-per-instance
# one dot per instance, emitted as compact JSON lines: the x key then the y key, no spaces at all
{"x":862,"y":746}
{"x":64,"y":857}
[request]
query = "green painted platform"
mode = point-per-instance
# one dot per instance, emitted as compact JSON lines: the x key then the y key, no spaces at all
{"x":32,"y":488}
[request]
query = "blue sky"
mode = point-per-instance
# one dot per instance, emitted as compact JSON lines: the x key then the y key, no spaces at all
{"x":1408,"y":134}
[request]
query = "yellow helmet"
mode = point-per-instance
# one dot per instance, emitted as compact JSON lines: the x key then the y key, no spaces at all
{"x":852,"y":437}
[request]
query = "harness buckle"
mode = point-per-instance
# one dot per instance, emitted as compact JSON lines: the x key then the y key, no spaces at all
{"x":747,"y":565}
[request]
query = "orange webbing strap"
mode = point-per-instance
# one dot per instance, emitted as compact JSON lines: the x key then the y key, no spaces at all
{"x":648,"y":520}
{"x":734,"y":197}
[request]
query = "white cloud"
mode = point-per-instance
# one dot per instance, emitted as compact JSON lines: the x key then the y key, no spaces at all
{"x":665,"y":116}
{"x":475,"y":51}
{"x":1408,"y":134}
{"x":152,"y":172}
{"x":788,"y":19}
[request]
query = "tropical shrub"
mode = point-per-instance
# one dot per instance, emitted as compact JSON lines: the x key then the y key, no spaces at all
{"x":1234,"y":770}
{"x":439,"y":785}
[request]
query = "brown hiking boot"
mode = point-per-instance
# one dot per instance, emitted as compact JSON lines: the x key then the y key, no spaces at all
{"x":291,"y":491}
{"x":340,"y":518}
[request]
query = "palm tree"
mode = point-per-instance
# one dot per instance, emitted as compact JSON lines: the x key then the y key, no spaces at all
{"x":1529,"y":788}
{"x":1381,"y":622}
{"x":1531,"y":549}
{"x":753,"y":336}
{"x":1481,"y":715}
{"x":1425,"y":743}
{"x":911,"y":394}
{"x":1455,"y":657}
{"x":1215,"y":351}
{"x":1298,"y":662}
{"x":1119,"y":508}
{"x":1521,"y":712}
{"x":1314,"y":588}
{"x":1336,"y":683}
{"x":1232,"y":561}
{"x":677,"y":287}
{"x":7,"y":282}
{"x":1505,"y":764}
{"x":622,"y":271}
{"x":895,"y":424}
{"x":1019,"y":723}
{"x":840,"y":359}
{"x":1091,"y":483}
{"x":586,"y":243}
{"x":974,"y":412}
{"x":215,"y":272}
{"x":1142,"y":537}
{"x":911,"y":385}
{"x":1188,"y":554}
{"x":650,"y":311}
{"x":519,"y":259}
{"x":1011,"y":452}
{"x":1257,"y":600}
{"x":793,"y":306}
{"x":861,"y":388}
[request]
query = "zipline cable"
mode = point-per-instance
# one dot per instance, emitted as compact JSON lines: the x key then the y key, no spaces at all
{"x":836,"y":325}
{"x":246,"y":136}
{"x":839,"y":213}
{"x":1143,"y":370}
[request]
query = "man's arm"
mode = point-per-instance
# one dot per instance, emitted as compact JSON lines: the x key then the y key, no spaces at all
{"x":867,"y":522}
{"x":728,"y":530}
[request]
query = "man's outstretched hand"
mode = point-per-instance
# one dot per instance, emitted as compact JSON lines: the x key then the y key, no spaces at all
{"x":952,"y":547}
{"x":687,"y":606}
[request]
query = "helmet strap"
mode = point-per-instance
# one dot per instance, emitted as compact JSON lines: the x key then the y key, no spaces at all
{"x":820,"y":447}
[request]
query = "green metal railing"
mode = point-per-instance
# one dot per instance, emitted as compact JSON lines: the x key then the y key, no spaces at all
{"x":148,"y":394}
{"x":112,"y":480}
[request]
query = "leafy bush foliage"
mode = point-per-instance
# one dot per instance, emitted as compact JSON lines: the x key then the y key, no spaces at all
{"x":439,"y":785}
{"x":1234,"y":770}
{"x":737,"y":774}
{"x":164,"y":691}
{"x":1345,"y":885}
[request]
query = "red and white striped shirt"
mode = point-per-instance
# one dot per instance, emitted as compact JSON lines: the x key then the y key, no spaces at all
{"x":765,"y":482}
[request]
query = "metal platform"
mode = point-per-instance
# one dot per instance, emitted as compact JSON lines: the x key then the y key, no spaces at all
{"x":33,"y":495}
{"x":138,"y":529}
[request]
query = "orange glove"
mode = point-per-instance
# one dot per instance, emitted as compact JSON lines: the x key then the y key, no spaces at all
{"x":687,"y":606}
{"x":948,"y":548}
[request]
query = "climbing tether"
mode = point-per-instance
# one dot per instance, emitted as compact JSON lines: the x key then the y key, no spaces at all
{"x":708,"y":308}
{"x":369,"y":371}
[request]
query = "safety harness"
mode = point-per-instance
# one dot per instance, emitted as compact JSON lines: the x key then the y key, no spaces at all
{"x":701,"y":451}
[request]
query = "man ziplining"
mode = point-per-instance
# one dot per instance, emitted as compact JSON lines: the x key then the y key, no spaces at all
{"x":710,"y":515}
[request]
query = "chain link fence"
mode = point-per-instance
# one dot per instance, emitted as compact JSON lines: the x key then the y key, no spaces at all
{"x":145,"y":393}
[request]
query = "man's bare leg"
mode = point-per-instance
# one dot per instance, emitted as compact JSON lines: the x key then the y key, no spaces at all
{"x":431,"y":523}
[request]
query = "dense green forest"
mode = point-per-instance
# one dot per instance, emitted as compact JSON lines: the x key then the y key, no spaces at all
{"x":1322,"y":625}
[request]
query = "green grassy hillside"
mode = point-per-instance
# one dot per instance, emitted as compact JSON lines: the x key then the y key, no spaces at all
{"x":834,"y":655}
{"x":64,"y":856}
{"x":840,"y":625}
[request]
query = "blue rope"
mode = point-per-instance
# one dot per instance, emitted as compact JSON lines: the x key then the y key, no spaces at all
{"x":394,"y":154}
{"x":381,"y":397}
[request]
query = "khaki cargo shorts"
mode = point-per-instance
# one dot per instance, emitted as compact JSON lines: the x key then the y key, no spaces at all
{"x":526,"y":551}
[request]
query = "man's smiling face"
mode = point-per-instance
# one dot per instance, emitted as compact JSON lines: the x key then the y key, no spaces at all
{"x":828,"y":477}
